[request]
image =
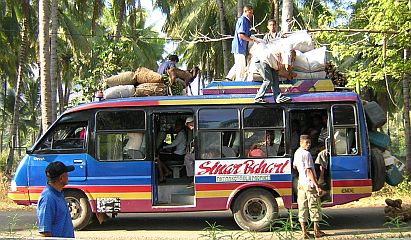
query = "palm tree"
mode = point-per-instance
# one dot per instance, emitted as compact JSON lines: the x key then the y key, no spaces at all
{"x":16,"y":110}
{"x":120,"y":17}
{"x":53,"y":59}
{"x":226,"y":47}
{"x":287,"y":15}
{"x":44,"y":46}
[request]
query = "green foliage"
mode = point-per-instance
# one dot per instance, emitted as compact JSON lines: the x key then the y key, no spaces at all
{"x":402,"y":189}
{"x":213,"y":231}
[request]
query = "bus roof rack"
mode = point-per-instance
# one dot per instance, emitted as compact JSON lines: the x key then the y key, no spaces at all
{"x":290,"y":86}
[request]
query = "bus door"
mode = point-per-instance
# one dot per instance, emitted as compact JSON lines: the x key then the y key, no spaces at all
{"x":314,"y":123}
{"x":171,"y":184}
{"x":347,"y":163}
{"x":65,"y":142}
{"x":122,"y":168}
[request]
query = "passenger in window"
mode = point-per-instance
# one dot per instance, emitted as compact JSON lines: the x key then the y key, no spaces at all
{"x":135,"y":146}
{"x":180,"y":142}
{"x":265,"y":148}
{"x":295,"y":135}
{"x":189,"y":157}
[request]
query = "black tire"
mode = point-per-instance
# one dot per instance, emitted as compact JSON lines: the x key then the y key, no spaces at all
{"x":377,"y":169}
{"x":255,"y":210}
{"x":79,"y":208}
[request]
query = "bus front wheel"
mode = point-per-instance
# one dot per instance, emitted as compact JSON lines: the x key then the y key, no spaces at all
{"x":79,"y":208}
{"x":255,"y":210}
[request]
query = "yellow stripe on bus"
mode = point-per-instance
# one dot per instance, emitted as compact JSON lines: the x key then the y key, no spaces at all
{"x":351,"y":190}
{"x":18,"y":196}
{"x":227,"y":193}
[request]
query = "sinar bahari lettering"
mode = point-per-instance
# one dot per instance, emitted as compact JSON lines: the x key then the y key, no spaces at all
{"x":245,"y":167}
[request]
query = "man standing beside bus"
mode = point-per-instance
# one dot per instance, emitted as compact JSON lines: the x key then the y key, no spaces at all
{"x":309,"y":204}
{"x":53,"y":215}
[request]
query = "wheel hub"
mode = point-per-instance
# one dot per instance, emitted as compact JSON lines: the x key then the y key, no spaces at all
{"x":255,"y":209}
{"x":74,"y":208}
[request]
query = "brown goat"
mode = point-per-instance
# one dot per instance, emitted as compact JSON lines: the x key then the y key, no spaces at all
{"x":186,"y":76}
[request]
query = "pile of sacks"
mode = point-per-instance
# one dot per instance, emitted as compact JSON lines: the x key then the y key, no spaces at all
{"x":142,"y":82}
{"x":145,"y":82}
{"x":309,"y":63}
{"x":394,"y":211}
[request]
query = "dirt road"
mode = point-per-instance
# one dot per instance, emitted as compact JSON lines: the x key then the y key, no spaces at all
{"x":344,"y":223}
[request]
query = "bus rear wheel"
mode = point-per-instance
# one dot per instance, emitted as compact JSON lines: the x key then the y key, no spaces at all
{"x":255,"y":210}
{"x":79,"y":208}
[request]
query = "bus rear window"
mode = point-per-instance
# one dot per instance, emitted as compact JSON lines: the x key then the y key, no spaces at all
{"x":120,"y":120}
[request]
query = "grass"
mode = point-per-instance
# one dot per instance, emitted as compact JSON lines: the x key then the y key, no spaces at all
{"x":7,"y":204}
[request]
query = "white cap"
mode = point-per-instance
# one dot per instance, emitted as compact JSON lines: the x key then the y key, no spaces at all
{"x":189,"y":119}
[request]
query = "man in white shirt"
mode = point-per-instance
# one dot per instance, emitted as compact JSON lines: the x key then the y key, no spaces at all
{"x":308,"y":189}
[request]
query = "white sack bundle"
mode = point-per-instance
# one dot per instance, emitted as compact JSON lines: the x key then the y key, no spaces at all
{"x":123,"y":91}
{"x":312,"y":61}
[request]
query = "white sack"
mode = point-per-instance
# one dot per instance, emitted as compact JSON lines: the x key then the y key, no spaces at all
{"x":312,"y":61}
{"x":123,"y":91}
{"x":299,"y":40}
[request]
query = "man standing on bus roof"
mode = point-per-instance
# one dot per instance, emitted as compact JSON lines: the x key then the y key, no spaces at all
{"x":272,"y":31}
{"x":241,"y":39}
{"x":171,"y":63}
{"x":53,"y":215}
{"x":308,"y":200}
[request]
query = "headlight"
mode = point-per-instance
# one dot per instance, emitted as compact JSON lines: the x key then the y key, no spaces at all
{"x":13,"y":186}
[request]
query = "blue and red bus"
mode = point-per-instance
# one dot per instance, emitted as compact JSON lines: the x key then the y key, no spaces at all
{"x":229,"y":173}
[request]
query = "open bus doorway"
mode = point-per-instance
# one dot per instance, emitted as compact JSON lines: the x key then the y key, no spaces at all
{"x":172,"y":186}
{"x":315,"y":123}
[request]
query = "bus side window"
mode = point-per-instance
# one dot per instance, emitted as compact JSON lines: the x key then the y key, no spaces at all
{"x":263,"y":143}
{"x":219,"y":133}
{"x":345,"y":130}
{"x":66,"y":136}
{"x":120,"y":135}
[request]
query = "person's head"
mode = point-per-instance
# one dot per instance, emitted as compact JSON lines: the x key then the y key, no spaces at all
{"x":179,"y":125}
{"x":190,"y":123}
{"x":272,"y":26}
{"x":56,"y":173}
{"x":248,"y":11}
{"x":305,"y":142}
{"x":173,"y":58}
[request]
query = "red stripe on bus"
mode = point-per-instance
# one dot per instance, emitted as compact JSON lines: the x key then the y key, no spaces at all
{"x":231,"y":186}
{"x":352,"y":183}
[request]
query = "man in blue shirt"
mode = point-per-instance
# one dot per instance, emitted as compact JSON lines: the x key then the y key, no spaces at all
{"x":53,"y":215}
{"x":172,"y":61}
{"x":239,"y":45}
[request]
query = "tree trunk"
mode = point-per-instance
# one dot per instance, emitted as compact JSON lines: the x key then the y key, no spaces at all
{"x":60,"y":92}
{"x":16,"y":110}
{"x":223,"y":29}
{"x":3,"y":122}
{"x":406,"y":91}
{"x":276,"y":13}
{"x":44,"y":46}
{"x":287,"y":15}
{"x":53,"y":59}
{"x":240,"y":5}
{"x":96,"y":14}
{"x":120,"y":19}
